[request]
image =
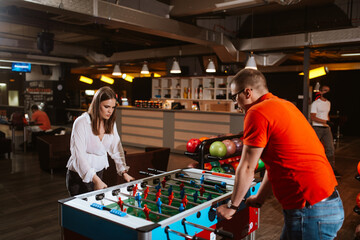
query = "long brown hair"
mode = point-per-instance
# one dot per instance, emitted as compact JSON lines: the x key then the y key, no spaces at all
{"x":103,"y":94}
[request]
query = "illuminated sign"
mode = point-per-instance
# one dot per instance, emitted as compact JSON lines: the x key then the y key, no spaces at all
{"x":21,"y":67}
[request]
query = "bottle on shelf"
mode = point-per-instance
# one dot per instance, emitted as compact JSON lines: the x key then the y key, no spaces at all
{"x":185,"y":93}
{"x":189,"y":93}
{"x":200,"y":93}
{"x":196,"y":93}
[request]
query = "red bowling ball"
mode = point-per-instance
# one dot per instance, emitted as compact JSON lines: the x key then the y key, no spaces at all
{"x":230,"y":147}
{"x":193,"y":145}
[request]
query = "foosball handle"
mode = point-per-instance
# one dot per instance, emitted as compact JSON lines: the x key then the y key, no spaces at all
{"x":223,"y":233}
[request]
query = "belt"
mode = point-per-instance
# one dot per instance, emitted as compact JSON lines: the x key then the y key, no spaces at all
{"x":332,"y":196}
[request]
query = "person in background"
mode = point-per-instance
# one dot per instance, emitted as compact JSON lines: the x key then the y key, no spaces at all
{"x":297,"y":171}
{"x":319,"y":115}
{"x":42,"y":124}
{"x":94,"y":136}
{"x":41,"y":118}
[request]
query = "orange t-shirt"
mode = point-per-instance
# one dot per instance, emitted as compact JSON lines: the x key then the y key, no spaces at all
{"x":41,"y":118}
{"x":294,"y":157}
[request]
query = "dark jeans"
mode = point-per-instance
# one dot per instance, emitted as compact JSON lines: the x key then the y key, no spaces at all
{"x":75,"y":184}
{"x":326,"y":138}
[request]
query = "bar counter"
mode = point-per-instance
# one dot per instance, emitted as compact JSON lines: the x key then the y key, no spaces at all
{"x":142,"y":127}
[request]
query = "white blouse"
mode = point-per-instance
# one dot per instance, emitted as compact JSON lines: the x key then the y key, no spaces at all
{"x":89,"y":153}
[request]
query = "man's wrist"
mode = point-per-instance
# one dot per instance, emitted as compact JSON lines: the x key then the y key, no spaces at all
{"x":230,"y":205}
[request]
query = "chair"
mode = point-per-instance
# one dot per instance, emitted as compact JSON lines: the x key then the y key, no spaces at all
{"x":54,"y":151}
{"x":153,"y":157}
{"x":5,"y":144}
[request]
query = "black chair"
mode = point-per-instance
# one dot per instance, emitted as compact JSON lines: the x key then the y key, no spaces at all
{"x":5,"y":144}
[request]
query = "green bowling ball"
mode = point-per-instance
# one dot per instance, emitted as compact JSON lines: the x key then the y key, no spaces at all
{"x":218,"y":170}
{"x":217,"y":149}
{"x":261,"y":164}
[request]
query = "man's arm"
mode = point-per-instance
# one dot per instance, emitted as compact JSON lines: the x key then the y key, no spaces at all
{"x":316,"y":119}
{"x":244,"y":176}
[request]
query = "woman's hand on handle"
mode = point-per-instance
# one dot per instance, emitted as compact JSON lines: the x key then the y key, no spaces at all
{"x":98,"y":183}
{"x":127,"y":177}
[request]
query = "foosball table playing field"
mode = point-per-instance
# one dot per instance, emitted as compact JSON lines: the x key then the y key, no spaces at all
{"x":172,"y":205}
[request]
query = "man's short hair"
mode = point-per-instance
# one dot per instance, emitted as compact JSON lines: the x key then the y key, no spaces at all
{"x":250,"y":78}
{"x":34,"y":107}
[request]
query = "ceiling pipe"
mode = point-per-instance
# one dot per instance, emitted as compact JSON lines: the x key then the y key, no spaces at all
{"x":114,"y":16}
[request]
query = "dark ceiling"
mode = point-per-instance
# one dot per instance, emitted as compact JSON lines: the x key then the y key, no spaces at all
{"x":19,"y":22}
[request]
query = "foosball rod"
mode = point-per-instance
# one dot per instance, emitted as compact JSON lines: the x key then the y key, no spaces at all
{"x":149,"y":201}
{"x":205,"y":185}
{"x":133,"y":206}
{"x":163,"y":196}
{"x":219,"y":232}
{"x":220,"y":183}
{"x":165,"y":189}
{"x":186,"y":236}
{"x":179,"y":180}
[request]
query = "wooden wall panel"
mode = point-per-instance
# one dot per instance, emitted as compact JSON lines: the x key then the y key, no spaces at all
{"x":209,"y":128}
{"x":203,"y":117}
{"x":146,"y":141}
{"x":148,"y":122}
{"x":141,"y":113}
{"x":186,"y":136}
{"x":152,"y":132}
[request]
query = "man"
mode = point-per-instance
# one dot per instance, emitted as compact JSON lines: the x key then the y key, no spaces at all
{"x":297,"y":171}
{"x":319,"y":115}
{"x":41,"y":118}
{"x":43,"y":123}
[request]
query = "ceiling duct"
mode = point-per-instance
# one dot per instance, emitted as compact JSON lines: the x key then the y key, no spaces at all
{"x":114,"y":16}
{"x":270,"y":59}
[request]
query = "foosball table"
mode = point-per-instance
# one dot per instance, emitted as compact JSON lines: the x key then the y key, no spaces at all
{"x":172,"y":205}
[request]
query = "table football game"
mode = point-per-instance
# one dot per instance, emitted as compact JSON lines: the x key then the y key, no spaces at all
{"x":171,"y":205}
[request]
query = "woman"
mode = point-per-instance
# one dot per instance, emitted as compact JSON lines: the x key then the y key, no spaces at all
{"x":94,"y":135}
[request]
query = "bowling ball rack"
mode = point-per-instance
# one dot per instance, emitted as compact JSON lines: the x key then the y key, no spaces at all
{"x":202,"y":156}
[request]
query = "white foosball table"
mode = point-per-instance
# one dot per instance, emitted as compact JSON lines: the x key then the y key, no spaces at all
{"x":172,"y":205}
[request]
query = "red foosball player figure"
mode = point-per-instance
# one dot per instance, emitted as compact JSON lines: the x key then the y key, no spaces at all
{"x":146,"y":211}
{"x":146,"y":192}
{"x":202,"y":190}
{"x":163,"y":182}
{"x":135,"y":190}
{"x":171,"y":197}
{"x":121,"y":204}
{"x":184,"y":200}
{"x":158,"y":194}
{"x":181,"y":185}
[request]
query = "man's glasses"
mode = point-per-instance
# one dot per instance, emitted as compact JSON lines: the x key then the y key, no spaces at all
{"x":233,"y":97}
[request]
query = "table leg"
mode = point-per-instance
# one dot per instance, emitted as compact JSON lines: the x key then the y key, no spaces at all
{"x":25,"y":138}
{"x":13,"y":138}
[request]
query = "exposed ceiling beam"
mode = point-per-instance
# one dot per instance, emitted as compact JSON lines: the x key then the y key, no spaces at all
{"x":116,"y":16}
{"x":185,"y":50}
{"x":300,"y":68}
{"x":312,"y":39}
{"x":182,"y":8}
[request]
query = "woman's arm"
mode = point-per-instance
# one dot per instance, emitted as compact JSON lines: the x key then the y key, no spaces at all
{"x":116,"y":152}
{"x":78,"y":151}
